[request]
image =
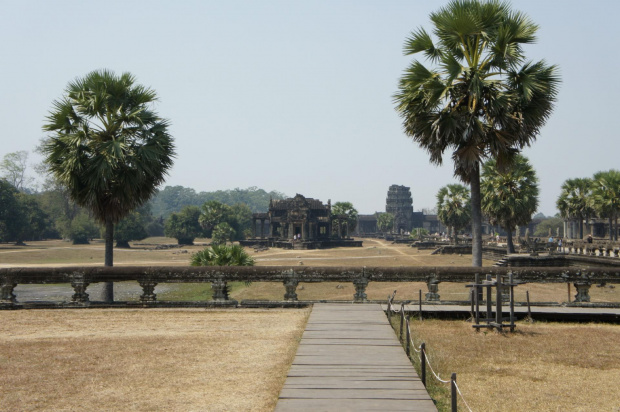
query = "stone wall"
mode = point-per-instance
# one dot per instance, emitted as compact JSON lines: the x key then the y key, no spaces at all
{"x":149,"y":277}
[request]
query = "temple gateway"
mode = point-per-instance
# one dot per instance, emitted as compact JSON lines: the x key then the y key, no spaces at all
{"x":300,"y":223}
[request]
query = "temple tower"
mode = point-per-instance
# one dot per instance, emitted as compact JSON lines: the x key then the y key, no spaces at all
{"x":400,"y":204}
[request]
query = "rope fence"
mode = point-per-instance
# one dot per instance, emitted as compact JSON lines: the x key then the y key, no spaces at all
{"x":423,"y":356}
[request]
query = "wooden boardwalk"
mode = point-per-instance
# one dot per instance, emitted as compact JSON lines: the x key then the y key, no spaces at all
{"x":349,"y":359}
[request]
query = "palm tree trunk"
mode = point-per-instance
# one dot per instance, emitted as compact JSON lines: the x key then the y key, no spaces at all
{"x":616,"y":230}
{"x":510,"y":248}
{"x":476,"y":219}
{"x":580,"y":227}
{"x":107,"y":295}
{"x":611,"y":227}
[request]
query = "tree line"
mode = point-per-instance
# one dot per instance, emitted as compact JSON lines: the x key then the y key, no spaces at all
{"x":585,"y":198}
{"x":509,"y":198}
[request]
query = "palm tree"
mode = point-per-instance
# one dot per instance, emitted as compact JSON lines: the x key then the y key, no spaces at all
{"x":108,"y":148}
{"x":454,"y":207}
{"x":575,"y":201}
{"x":385,"y":222}
{"x":482,"y":99}
{"x":606,"y":196}
{"x":510,"y":197}
{"x":348,"y":214}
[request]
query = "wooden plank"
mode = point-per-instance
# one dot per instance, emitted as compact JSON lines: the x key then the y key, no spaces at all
{"x":349,"y":359}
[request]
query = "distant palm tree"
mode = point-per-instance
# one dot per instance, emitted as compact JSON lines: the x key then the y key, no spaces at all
{"x":483,"y":99}
{"x":606,"y":196}
{"x":575,"y":201}
{"x":348,"y":214}
{"x":385,"y":222}
{"x":454,"y":207}
{"x":108,"y":148}
{"x":509,"y":198}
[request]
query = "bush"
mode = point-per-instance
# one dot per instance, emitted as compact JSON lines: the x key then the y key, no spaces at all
{"x":222,"y":255}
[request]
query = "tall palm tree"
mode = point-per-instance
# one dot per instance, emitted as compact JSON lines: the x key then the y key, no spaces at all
{"x":575,"y":201}
{"x":509,"y":197}
{"x":108,"y":147}
{"x":606,"y":196}
{"x":454,"y":207}
{"x":482,"y":99}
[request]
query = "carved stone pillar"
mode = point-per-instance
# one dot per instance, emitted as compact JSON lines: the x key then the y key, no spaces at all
{"x":583,"y":291}
{"x":433,"y":290}
{"x":220,"y":290}
{"x":291,"y":286}
{"x":254,"y":227}
{"x":6,"y":291}
{"x":291,"y":230}
{"x":304,"y":230}
{"x":148,"y":290}
{"x":262,"y":228}
{"x":79,"y":285}
{"x":360,"y":289}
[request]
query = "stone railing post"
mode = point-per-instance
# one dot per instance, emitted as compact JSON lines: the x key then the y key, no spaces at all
{"x":220,"y":290}
{"x":79,"y":284}
{"x":7,"y":297}
{"x":291,"y":286}
{"x":360,"y":289}
{"x":583,"y":291}
{"x":148,"y":290}
{"x":433,"y":290}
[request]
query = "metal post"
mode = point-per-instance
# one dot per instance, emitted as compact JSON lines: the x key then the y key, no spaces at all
{"x":529,"y":311}
{"x":477,"y":300}
{"x":512,"y":302}
{"x":402,"y":320}
{"x":408,"y":338}
{"x":423,"y":363}
{"x":453,"y":387}
{"x":420,"y":304}
{"x":498,"y":303}
{"x":471,"y":301}
{"x":489,"y":302}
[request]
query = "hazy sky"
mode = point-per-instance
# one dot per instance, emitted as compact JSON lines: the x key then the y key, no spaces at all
{"x":297,"y":96}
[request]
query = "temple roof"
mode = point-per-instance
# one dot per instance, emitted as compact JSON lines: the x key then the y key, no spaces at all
{"x":297,"y":202}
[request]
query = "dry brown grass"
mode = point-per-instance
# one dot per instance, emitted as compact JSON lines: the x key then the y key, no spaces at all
{"x":541,"y":367}
{"x":61,"y":253}
{"x":146,"y":360}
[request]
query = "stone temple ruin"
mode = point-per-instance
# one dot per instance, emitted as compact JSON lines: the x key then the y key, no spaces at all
{"x":400,"y":204}
{"x":300,"y":223}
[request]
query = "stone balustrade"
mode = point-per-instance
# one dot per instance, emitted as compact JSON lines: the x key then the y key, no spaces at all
{"x":148,"y":278}
{"x":598,"y":248}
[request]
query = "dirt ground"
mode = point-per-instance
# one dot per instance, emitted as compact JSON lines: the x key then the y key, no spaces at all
{"x":146,"y":360}
{"x":375,"y":252}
